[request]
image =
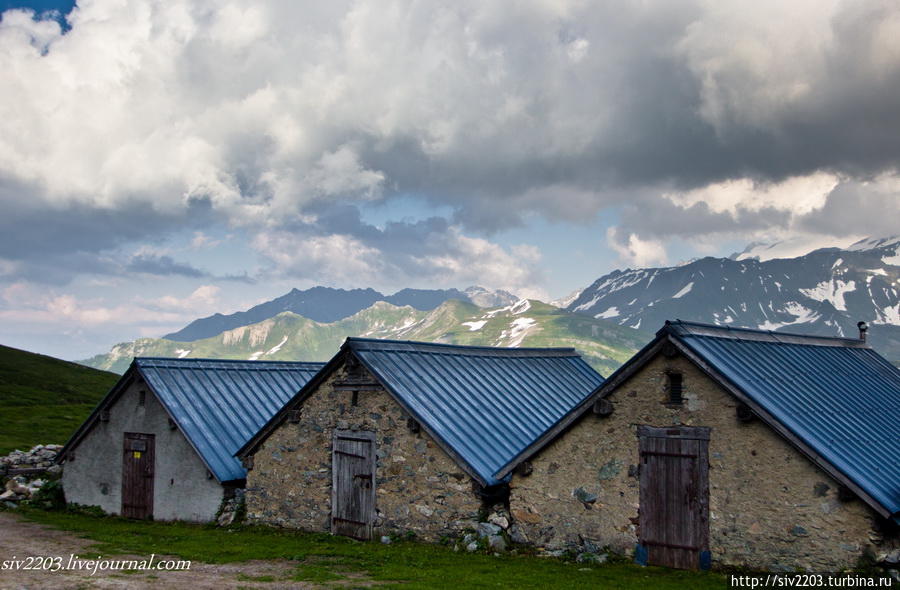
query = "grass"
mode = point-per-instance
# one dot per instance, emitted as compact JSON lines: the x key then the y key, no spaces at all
{"x":325,"y":559}
{"x":43,"y":399}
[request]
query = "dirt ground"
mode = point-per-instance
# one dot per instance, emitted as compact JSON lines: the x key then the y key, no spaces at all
{"x":20,"y":538}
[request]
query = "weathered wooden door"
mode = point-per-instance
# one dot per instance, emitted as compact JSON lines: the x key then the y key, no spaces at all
{"x":138,"y":464}
{"x":674,"y":502}
{"x":353,"y":484}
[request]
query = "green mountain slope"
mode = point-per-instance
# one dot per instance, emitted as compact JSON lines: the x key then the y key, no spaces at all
{"x":288,"y":336}
{"x":43,"y":399}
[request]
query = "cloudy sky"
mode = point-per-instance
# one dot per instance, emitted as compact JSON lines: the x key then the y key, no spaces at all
{"x":161,"y":160}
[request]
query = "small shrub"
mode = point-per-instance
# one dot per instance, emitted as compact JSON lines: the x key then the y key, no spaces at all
{"x":49,"y":496}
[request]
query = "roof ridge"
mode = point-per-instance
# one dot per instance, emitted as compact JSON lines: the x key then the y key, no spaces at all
{"x":413,"y":346}
{"x":699,"y":329}
{"x":142,"y":359}
{"x":462,"y":348}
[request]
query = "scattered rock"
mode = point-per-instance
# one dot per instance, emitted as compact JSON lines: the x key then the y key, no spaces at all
{"x":799,"y":531}
{"x":496,"y":543}
{"x":592,"y":558}
{"x":517,"y":536}
{"x":486,"y":529}
{"x":584,"y":496}
{"x":385,"y":540}
{"x":472,"y":547}
{"x":230,"y":508}
{"x":500,"y":521}
{"x":225,"y":519}
{"x":892,"y":558}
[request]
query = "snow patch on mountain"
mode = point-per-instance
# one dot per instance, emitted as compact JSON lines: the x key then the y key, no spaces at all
{"x":181,"y":352}
{"x":873,"y":243}
{"x":789,"y":248}
{"x":832,"y":291}
{"x":277,"y":347}
{"x":567,"y":300}
{"x":518,"y":329}
{"x":892,"y":260}
{"x":475,"y":326}
{"x":684,"y":291}
{"x":520,"y":306}
{"x":889,"y":315}
{"x":612,"y":312}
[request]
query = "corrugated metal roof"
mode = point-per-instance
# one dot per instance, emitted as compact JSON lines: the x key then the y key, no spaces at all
{"x":837,"y":395}
{"x":220,"y":404}
{"x":486,"y":404}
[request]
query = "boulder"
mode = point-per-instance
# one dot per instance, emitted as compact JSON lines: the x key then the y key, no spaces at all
{"x":496,"y":543}
{"x":517,"y":536}
{"x":486,"y":529}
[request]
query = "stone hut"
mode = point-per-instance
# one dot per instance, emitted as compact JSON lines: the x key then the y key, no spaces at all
{"x":161,"y":443}
{"x":725,"y":446}
{"x":397,"y":437}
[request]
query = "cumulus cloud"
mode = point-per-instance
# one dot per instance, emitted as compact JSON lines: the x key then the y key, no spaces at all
{"x":634,"y":251}
{"x":694,"y":114}
{"x":819,"y":209}
{"x":338,"y":247}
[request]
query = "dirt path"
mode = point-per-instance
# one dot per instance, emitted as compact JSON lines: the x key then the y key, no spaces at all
{"x":20,"y":539}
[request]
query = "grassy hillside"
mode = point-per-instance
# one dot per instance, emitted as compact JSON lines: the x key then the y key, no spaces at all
{"x":43,"y":399}
{"x":289,"y":336}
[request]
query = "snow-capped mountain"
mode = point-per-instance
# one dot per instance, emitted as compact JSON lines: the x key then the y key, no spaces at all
{"x":288,"y":336}
{"x":324,"y":304}
{"x":824,"y":292}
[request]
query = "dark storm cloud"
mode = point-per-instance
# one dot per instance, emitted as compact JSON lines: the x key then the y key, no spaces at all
{"x":855,"y":208}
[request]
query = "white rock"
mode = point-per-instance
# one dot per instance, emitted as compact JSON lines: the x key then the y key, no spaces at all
{"x":425,"y":510}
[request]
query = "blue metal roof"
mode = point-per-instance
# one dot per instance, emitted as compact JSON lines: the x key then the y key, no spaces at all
{"x":485,"y":404}
{"x":836,"y":395}
{"x":220,"y":404}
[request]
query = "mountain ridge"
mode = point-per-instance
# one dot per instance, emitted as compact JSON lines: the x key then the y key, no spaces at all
{"x":289,"y":336}
{"x":327,"y":304}
{"x":824,"y":292}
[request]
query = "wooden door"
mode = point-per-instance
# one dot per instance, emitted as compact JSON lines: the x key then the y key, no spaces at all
{"x":674,"y":501}
{"x":353,"y":484}
{"x":138,"y":464}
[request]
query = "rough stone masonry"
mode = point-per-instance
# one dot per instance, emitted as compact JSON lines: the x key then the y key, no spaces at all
{"x":770,"y":507}
{"x":418,"y":487}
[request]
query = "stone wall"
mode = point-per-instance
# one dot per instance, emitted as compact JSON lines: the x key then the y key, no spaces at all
{"x":770,"y":507}
{"x":418,"y":487}
{"x":182,"y":488}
